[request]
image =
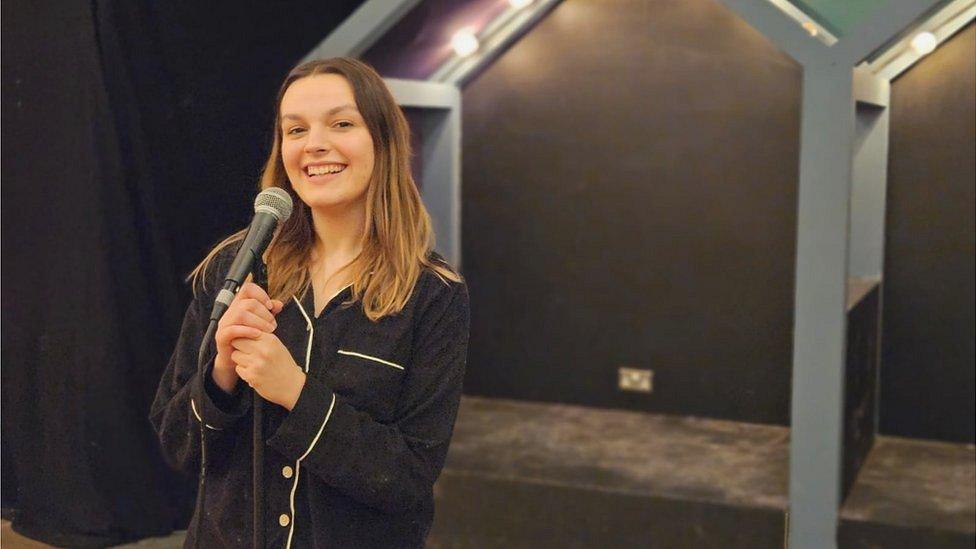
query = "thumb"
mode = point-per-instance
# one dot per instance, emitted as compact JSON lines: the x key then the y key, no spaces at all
{"x":276,"y":306}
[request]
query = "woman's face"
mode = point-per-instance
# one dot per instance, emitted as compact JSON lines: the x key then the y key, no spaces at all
{"x":325,"y":146}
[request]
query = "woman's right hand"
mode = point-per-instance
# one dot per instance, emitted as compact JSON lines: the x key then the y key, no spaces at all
{"x":250,"y":314}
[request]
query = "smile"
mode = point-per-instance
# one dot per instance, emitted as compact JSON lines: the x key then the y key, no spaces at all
{"x":324,"y":171}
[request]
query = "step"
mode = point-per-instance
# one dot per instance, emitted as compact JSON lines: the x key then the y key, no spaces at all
{"x":912,"y":493}
{"x":526,"y":474}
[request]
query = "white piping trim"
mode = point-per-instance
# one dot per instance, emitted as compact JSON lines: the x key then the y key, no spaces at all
{"x":337,"y":293}
{"x":298,"y":463}
{"x":291,"y":504}
{"x":298,"y":468}
{"x":317,"y":435}
{"x":193,"y":407}
{"x":373,"y":358}
{"x":308,"y":321}
{"x":311,"y":331}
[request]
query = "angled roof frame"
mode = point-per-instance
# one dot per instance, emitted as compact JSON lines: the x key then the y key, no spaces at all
{"x":838,"y":75}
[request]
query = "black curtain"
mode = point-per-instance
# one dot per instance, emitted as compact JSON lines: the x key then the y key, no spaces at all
{"x":133,"y":136}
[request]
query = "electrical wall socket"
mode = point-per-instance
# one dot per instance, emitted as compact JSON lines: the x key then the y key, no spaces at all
{"x":636,"y":379}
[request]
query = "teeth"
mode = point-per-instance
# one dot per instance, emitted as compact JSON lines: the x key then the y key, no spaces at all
{"x":320,"y":170}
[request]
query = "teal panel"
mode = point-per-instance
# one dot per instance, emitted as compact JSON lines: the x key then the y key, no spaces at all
{"x":839,"y":16}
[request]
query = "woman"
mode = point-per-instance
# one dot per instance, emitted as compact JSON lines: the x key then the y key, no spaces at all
{"x":359,"y":343}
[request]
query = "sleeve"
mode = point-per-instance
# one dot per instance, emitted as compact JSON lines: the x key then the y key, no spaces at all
{"x":391,"y":467}
{"x":186,"y":398}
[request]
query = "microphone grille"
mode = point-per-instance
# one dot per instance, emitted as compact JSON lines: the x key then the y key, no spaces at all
{"x":275,"y":201}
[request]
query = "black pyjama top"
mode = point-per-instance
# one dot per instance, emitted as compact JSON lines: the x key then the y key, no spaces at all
{"x":354,"y":463}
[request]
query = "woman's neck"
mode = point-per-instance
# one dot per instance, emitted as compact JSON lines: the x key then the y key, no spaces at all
{"x":337,"y":237}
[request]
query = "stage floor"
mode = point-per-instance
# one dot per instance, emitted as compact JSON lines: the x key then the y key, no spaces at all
{"x":13,"y":540}
{"x":912,"y":493}
{"x":522,"y":474}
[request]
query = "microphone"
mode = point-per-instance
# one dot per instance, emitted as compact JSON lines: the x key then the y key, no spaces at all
{"x":272,"y":206}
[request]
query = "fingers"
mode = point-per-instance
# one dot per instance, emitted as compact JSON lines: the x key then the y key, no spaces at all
{"x":250,"y":312}
{"x":260,"y":321}
{"x":242,"y":373}
{"x":254,"y":306}
{"x":240,"y":359}
{"x":229,"y":333}
{"x":246,"y":344}
{"x":253,"y":291}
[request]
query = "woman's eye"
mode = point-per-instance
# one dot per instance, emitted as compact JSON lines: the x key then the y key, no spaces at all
{"x":344,"y":124}
{"x":294,"y":130}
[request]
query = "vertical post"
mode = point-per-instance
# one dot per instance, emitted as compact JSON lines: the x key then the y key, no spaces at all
{"x":440,"y":131}
{"x":827,"y":135}
{"x":869,"y":177}
{"x":442,"y":177}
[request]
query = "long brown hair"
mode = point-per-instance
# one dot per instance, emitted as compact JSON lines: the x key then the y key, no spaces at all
{"x":398,"y":237}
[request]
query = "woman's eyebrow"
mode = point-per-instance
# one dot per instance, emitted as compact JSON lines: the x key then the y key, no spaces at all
{"x":330,"y":112}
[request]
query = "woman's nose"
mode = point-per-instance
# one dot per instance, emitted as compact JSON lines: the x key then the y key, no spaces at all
{"x":317,"y":142}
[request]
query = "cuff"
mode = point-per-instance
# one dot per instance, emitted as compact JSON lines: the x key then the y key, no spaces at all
{"x":212,"y":405}
{"x":304,"y":426}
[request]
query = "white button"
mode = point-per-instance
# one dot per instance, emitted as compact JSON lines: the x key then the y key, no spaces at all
{"x":287,"y":471}
{"x":283,"y":520}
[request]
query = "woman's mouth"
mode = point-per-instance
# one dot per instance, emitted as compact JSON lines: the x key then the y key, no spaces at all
{"x":324,"y":172}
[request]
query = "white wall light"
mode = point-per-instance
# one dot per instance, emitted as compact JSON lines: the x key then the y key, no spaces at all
{"x":464,"y":43}
{"x":924,"y":43}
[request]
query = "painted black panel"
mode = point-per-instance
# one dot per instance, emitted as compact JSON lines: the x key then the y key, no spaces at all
{"x":860,"y":384}
{"x":629,"y":198}
{"x":928,"y":374}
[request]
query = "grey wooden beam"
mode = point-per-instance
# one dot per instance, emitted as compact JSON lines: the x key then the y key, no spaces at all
{"x":829,"y":165}
{"x":423,"y":94}
{"x":869,"y":89}
{"x":784,"y":32}
{"x":441,"y":189}
{"x":440,"y":154}
{"x":869,"y":183}
{"x":819,"y":328}
{"x":900,"y":56}
{"x":361,"y":29}
{"x":494,"y":39}
{"x":805,"y":20}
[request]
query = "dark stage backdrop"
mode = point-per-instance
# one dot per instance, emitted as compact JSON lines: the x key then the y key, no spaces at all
{"x":629,"y":199}
{"x":928,"y":369}
{"x":133,"y":134}
{"x":633,"y":204}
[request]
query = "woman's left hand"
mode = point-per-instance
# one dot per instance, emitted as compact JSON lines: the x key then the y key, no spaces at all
{"x":267,"y":366}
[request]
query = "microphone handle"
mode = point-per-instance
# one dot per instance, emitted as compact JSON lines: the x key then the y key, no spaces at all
{"x":257,"y":405}
{"x":259,"y":235}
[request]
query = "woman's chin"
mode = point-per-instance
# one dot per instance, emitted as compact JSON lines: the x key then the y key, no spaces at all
{"x":333,"y":206}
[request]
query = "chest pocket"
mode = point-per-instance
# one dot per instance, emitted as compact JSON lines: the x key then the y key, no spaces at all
{"x":369,"y":382}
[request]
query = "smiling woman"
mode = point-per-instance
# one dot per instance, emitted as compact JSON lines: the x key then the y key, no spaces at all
{"x":325,"y":145}
{"x":365,"y":226}
{"x":360,"y":339}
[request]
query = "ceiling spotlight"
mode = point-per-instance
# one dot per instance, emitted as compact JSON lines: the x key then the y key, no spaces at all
{"x":519,"y":4}
{"x":810,"y":27}
{"x":464,"y":43}
{"x":924,"y":42}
